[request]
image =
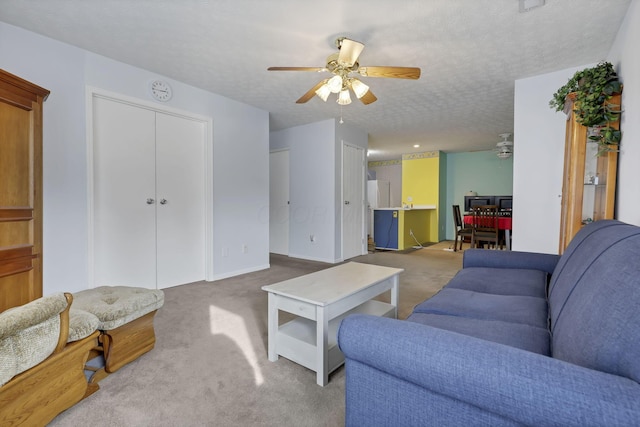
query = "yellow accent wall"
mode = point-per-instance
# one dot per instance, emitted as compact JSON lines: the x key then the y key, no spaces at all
{"x":421,"y":186}
{"x":418,"y":221}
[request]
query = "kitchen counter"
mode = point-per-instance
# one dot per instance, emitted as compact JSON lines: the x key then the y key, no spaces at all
{"x":402,"y":228}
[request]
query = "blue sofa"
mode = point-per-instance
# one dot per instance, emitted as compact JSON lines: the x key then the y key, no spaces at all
{"x":514,"y":338}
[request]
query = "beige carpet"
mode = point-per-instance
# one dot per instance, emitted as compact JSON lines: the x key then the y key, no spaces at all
{"x":210,"y":366}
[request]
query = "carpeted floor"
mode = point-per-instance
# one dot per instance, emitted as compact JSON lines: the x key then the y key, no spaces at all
{"x":210,"y":366}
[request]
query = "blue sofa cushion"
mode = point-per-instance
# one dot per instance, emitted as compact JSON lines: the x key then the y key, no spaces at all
{"x":595,"y":319}
{"x":510,"y":259}
{"x":525,"y":337}
{"x":477,"y":305}
{"x":585,"y":247}
{"x":502,"y":281}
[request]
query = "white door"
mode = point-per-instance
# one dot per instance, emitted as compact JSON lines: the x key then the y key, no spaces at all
{"x":180,"y":173}
{"x":353,"y":203}
{"x":148,"y":197}
{"x":279,"y":202}
{"x":124,"y":210}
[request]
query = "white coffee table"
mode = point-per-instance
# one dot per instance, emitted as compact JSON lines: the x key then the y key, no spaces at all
{"x":321,"y":300}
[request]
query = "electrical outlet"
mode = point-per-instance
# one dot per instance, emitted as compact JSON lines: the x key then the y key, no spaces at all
{"x":225,"y":252}
{"x":245,"y":249}
{"x":312,"y":238}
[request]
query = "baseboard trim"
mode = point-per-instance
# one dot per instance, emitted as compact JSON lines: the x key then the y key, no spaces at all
{"x":308,"y":258}
{"x":239,"y":272}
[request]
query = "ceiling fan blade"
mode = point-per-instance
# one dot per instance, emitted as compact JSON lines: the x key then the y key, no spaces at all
{"x":392,"y":72}
{"x":368,"y":98}
{"x":318,"y":69}
{"x":311,"y":93}
{"x":349,"y":52}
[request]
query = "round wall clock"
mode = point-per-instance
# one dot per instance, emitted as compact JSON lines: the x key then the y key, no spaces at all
{"x":160,"y":90}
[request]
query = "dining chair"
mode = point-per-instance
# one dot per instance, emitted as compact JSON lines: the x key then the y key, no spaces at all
{"x":462,"y":231}
{"x":485,"y":226}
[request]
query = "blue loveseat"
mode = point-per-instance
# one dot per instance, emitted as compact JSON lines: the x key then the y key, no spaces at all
{"x":514,"y":338}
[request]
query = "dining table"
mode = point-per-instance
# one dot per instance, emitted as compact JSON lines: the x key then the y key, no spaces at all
{"x":504,"y":223}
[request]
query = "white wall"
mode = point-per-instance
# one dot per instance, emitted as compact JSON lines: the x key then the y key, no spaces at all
{"x":539,"y":135}
{"x":241,"y":162}
{"x":315,"y":155}
{"x":624,"y":57}
{"x":311,"y":189}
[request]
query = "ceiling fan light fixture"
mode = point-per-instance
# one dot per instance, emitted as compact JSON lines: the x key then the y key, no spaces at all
{"x":341,"y":64}
{"x":335,"y":84}
{"x":323,"y":92}
{"x":344,"y":98}
{"x":504,"y":154}
{"x":359,"y":88}
{"x":504,"y":148}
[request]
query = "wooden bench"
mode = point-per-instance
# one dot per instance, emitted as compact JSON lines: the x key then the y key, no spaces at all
{"x":125,"y":317}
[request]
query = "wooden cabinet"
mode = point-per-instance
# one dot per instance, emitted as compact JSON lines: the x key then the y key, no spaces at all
{"x":589,"y":186}
{"x":20,"y":190}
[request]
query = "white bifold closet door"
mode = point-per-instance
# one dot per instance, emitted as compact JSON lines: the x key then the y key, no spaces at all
{"x":148,"y":196}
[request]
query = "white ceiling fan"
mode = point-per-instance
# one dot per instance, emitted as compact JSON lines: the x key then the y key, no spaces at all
{"x":504,"y":148}
{"x":342,"y":64}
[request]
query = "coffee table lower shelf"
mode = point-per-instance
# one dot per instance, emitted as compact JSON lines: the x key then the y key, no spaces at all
{"x":296,"y":340}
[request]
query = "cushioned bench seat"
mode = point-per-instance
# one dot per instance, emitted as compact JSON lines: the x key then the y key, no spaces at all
{"x":125,"y":318}
{"x":81,"y":324}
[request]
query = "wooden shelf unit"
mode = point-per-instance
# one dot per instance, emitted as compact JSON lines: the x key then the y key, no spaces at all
{"x":589,"y":182}
{"x":20,"y":190}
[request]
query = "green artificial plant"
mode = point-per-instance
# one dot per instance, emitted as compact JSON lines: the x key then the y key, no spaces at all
{"x":592,"y":88}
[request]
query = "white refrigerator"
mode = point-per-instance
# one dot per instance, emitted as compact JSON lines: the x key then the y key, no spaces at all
{"x":378,"y":195}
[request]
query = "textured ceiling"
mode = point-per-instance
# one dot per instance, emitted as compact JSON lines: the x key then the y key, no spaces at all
{"x":470,"y":53}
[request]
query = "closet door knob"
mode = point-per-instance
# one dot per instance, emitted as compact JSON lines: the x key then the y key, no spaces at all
{"x":163,"y":201}
{"x":150,"y":201}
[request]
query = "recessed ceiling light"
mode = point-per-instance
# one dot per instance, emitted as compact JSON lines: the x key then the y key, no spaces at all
{"x":416,"y":145}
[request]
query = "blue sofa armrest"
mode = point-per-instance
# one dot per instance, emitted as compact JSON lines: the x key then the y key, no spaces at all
{"x":509,"y":259}
{"x":404,"y":373}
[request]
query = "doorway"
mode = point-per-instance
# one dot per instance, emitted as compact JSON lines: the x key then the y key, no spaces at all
{"x":279,"y":202}
{"x":353,"y":201}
